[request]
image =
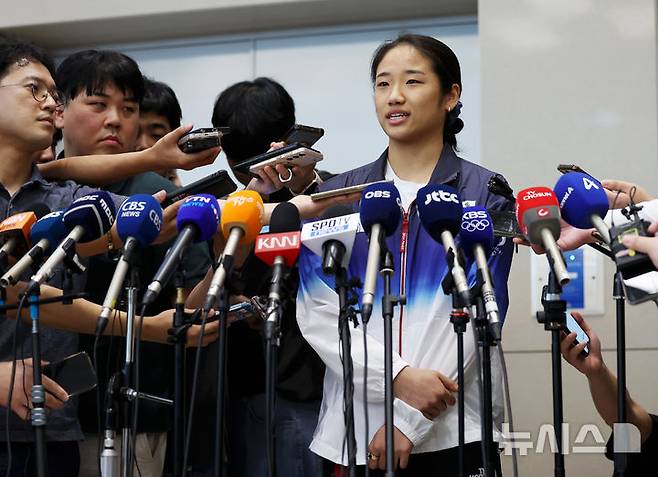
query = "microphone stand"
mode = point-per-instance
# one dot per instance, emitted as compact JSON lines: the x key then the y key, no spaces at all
{"x":38,"y":414}
{"x":620,"y":304}
{"x":486,"y":341}
{"x":179,"y":375}
{"x":388,"y":305}
{"x":554,"y":318}
{"x":459,"y":319}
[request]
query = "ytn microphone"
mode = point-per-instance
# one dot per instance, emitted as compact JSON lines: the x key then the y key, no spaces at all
{"x":538,"y":214}
{"x":197,"y":221}
{"x":583,"y":202}
{"x":15,"y":231}
{"x":440,"y":210}
{"x":332,"y":237}
{"x":279,"y":248}
{"x":380,"y":214}
{"x":477,"y":240}
{"x":138,"y":224}
{"x":86,"y":219}
{"x":45,"y":234}
{"x":242,"y":219}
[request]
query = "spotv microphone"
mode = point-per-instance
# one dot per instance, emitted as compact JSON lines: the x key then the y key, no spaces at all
{"x":15,"y":231}
{"x":46,"y":233}
{"x":279,"y":248}
{"x":538,"y":214}
{"x":197,"y":221}
{"x":440,"y":210}
{"x":138,"y":224}
{"x":242,"y":219}
{"x":583,"y":202}
{"x":332,"y":237}
{"x":86,"y":219}
{"x":477,"y":240}
{"x":380,"y":215}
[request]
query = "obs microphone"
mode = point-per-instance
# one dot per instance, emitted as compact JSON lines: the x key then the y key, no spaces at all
{"x":380,"y":214}
{"x":138,"y":224}
{"x":15,"y":231}
{"x":477,"y":239}
{"x":538,"y":214}
{"x":242,"y":219}
{"x":441,"y":211}
{"x":197,"y":221}
{"x":47,"y":232}
{"x":332,"y":237}
{"x":279,"y":249}
{"x":583,"y":202}
{"x":86,"y":219}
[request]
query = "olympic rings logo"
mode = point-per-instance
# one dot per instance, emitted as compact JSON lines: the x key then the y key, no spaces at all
{"x":473,"y":225}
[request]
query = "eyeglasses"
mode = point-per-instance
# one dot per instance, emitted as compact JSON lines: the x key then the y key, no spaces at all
{"x":40,"y":92}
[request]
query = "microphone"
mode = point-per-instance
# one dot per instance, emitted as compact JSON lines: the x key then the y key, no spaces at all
{"x":583,"y":202}
{"x":332,"y":237}
{"x":86,"y":219}
{"x":380,"y":215}
{"x":197,"y":221}
{"x":477,"y":240}
{"x":279,"y":248}
{"x":138,"y":224}
{"x":15,"y":231}
{"x":45,"y":234}
{"x":538,"y":214}
{"x":242,"y":219}
{"x":441,"y":211}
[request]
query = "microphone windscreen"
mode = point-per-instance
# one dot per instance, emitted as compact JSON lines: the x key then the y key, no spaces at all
{"x":440,"y":209}
{"x":94,"y":213}
{"x":243,"y":209}
{"x":476,"y":229}
{"x":49,"y":227}
{"x":140,"y":217}
{"x":201,"y":211}
{"x":580,"y":196}
{"x":538,"y":208}
{"x":285,"y":218}
{"x":380,"y":204}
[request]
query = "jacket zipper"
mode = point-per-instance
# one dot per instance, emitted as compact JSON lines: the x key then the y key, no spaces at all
{"x":404,"y":240}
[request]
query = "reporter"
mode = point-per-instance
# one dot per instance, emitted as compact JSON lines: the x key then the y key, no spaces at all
{"x":620,"y":193}
{"x":603,"y":389}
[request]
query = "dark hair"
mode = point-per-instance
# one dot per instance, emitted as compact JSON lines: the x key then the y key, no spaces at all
{"x":160,"y":99}
{"x":444,"y":63}
{"x":92,"y":70}
{"x":258,"y":113}
{"x":12,"y":51}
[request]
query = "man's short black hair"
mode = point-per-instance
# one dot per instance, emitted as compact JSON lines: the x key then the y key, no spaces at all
{"x":258,"y":113}
{"x":12,"y":51}
{"x":91,"y":70}
{"x":160,"y":99}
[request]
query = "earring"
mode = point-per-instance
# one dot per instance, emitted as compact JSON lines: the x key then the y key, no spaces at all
{"x":449,"y":108}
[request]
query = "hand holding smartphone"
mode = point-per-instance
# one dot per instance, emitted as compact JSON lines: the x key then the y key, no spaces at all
{"x":202,"y":139}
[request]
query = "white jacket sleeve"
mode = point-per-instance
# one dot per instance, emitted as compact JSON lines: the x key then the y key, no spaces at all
{"x":411,"y":422}
{"x":317,"y":316}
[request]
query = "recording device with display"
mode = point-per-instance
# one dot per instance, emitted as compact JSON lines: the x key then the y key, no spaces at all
{"x":218,"y":184}
{"x":202,"y":139}
{"x":630,"y":263}
{"x":75,"y":374}
{"x":290,"y":155}
{"x":303,"y":135}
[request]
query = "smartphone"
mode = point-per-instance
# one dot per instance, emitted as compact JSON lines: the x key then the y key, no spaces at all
{"x":581,"y":336}
{"x":345,"y":190}
{"x":247,"y":308}
{"x":303,"y":135}
{"x":75,"y":374}
{"x":292,"y":154}
{"x":218,"y":184}
{"x":564,"y":168}
{"x":202,"y":139}
{"x":505,"y":224}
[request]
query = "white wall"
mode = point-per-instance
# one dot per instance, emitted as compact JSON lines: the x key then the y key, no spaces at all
{"x":326,"y":71}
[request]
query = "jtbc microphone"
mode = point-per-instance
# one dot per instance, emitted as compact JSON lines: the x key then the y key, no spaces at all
{"x":197,"y":221}
{"x":242,"y":219}
{"x":279,"y":248}
{"x":46,"y":233}
{"x":441,"y":211}
{"x":477,"y":239}
{"x":138,"y":224}
{"x":15,"y":231}
{"x":583,"y":202}
{"x":538,"y":214}
{"x":86,"y":219}
{"x":380,"y":216}
{"x":332,"y":237}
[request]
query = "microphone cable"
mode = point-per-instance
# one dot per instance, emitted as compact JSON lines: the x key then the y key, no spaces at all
{"x":133,"y":437}
{"x":508,"y":406}
{"x":364,"y":323}
{"x":195,"y":380}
